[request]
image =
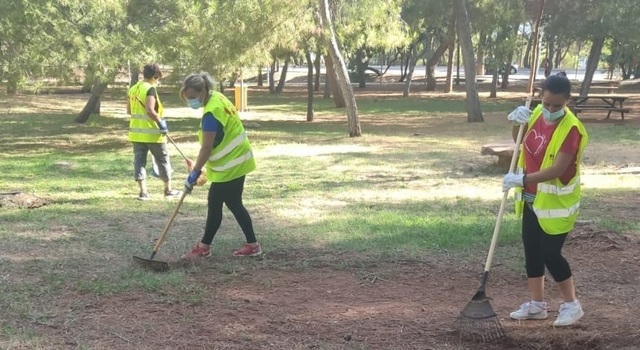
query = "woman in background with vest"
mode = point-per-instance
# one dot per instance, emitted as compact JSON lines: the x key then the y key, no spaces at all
{"x":147,"y":130}
{"x":226,"y":157}
{"x":548,"y":196}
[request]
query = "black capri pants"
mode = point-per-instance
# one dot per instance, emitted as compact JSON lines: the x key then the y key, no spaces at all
{"x":542,"y":250}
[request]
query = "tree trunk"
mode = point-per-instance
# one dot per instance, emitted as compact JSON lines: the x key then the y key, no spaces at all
{"x":482,"y":38}
{"x":332,"y":80}
{"x":494,"y":83}
{"x":326,"y":94}
{"x":458,"y":59}
{"x":260,"y":79}
{"x":401,"y":69}
{"x":309,"y":85}
{"x":89,"y":79}
{"x":13,"y":83}
{"x":272,"y":76}
{"x":135,"y":76}
{"x":341,"y":72}
{"x":592,"y":64}
{"x":433,"y":61}
{"x":534,"y":49}
{"x":361,"y":67}
{"x":505,"y":75}
{"x":316,"y":63}
{"x":474,"y":113}
{"x":411,"y":67}
{"x":283,"y":75}
{"x":93,"y":105}
{"x":448,"y":85}
{"x":527,"y":53}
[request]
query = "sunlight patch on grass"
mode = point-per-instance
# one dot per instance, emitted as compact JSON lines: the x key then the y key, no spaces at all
{"x":303,"y":150}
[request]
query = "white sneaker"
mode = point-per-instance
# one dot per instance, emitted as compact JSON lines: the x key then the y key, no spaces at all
{"x":531,"y":310}
{"x":569,"y":314}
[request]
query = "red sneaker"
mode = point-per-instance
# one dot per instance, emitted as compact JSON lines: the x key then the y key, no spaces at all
{"x":201,"y":250}
{"x":248,"y":250}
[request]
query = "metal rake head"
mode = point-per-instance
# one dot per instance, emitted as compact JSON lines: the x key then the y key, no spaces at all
{"x":478,"y":321}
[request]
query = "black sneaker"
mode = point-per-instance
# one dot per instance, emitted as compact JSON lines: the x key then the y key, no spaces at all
{"x":172,"y":194}
{"x":144,"y":196}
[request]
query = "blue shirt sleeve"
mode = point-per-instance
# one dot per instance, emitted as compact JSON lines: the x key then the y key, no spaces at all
{"x":211,"y":124}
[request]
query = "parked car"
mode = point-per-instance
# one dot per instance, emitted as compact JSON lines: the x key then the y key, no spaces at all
{"x":513,"y":69}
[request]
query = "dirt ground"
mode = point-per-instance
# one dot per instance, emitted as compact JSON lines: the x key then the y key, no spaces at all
{"x":382,"y":305}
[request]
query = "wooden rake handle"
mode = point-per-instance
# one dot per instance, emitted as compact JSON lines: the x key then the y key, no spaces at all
{"x":512,"y":167}
{"x":168,"y":225}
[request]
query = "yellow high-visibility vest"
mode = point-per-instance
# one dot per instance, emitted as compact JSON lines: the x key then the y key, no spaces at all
{"x":141,"y":127}
{"x":556,"y":205}
{"x":233,"y":157}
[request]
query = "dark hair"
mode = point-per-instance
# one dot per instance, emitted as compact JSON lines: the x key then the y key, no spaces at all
{"x":557,"y":84}
{"x":562,"y":73}
{"x":199,"y":82}
{"x":151,"y":71}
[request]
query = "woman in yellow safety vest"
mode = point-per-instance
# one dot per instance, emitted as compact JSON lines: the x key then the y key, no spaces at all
{"x":547,"y":187}
{"x":226,"y":157}
{"x":147,"y":130}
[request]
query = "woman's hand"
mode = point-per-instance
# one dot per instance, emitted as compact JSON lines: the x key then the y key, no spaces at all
{"x":520,"y":115}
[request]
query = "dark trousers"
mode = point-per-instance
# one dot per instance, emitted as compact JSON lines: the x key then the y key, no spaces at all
{"x":542,"y":250}
{"x":229,"y":193}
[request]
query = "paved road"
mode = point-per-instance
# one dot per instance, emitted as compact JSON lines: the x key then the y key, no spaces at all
{"x":522,"y":74}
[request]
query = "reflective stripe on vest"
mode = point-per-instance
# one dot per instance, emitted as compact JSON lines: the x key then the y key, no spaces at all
{"x":145,"y":131}
{"x":558,"y":191}
{"x":234,"y":162}
{"x":556,"y":213}
{"x":140,"y":116}
{"x":229,"y":148}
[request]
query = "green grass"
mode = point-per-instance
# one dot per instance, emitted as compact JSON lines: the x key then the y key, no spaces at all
{"x":415,"y":185}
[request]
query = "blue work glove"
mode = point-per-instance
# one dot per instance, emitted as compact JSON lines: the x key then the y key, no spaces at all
{"x":192,"y":179}
{"x":162,"y":124}
{"x":512,"y":180}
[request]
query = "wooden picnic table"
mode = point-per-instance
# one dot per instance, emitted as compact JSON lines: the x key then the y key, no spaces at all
{"x":594,"y":102}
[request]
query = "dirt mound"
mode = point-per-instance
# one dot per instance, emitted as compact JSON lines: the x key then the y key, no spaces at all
{"x":595,"y":237}
{"x":21,"y":200}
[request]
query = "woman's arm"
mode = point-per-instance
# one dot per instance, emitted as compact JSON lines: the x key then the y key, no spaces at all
{"x":150,"y":104}
{"x":562,"y":162}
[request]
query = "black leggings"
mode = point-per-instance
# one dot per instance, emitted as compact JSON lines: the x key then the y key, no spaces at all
{"x":229,"y":193}
{"x":542,"y":249}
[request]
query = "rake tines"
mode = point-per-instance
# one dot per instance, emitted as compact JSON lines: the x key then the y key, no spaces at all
{"x":479,"y":329}
{"x":478,"y":321}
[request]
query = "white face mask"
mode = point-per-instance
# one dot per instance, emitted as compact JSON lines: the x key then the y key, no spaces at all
{"x":552,"y":116}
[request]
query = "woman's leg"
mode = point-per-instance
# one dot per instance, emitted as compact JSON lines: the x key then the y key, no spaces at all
{"x":536,"y":308}
{"x":571,"y":310}
{"x":140,"y":151}
{"x":217,"y":193}
{"x":557,"y":265}
{"x":532,"y":235}
{"x":235,"y":205}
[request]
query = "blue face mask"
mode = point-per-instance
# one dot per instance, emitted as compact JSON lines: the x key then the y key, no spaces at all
{"x":194,"y":103}
{"x":552,"y":116}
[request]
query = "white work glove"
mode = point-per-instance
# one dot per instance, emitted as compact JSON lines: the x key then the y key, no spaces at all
{"x":512,"y":180}
{"x":520,"y":115}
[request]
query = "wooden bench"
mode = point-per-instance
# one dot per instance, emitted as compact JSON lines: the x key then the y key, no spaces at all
{"x":608,"y":88}
{"x":504,"y":151}
{"x":622,"y":111}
